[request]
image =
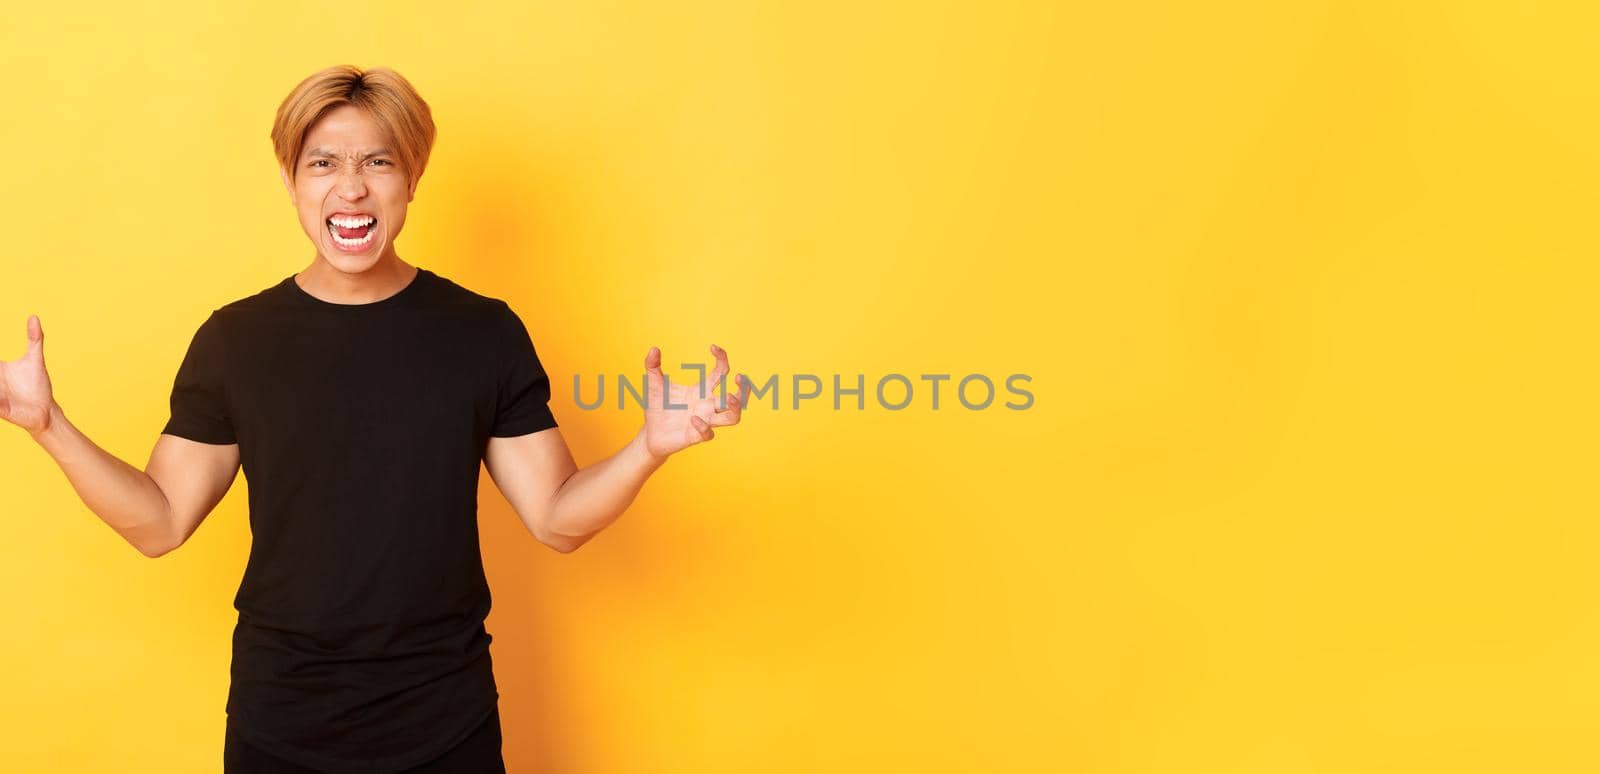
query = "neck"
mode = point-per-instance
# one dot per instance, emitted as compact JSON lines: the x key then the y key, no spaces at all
{"x":386,"y":277}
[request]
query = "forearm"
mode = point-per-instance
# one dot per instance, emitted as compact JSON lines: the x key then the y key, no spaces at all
{"x":597,"y":495}
{"x":123,"y":496}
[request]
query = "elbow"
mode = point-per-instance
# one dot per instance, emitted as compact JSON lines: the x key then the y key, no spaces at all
{"x":157,"y":538}
{"x":155,"y":543}
{"x":155,"y":550}
{"x":564,"y":544}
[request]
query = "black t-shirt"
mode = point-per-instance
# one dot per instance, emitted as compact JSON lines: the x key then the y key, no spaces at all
{"x":361,"y":645}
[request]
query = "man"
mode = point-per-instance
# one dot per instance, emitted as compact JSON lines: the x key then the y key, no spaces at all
{"x":360,"y":396}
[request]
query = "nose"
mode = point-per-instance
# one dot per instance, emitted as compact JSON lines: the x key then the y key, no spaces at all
{"x":351,"y":187}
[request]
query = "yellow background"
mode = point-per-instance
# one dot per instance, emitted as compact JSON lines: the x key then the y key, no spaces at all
{"x":1306,"y":290}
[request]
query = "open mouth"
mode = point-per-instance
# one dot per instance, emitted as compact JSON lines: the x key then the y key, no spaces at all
{"x":352,"y":232}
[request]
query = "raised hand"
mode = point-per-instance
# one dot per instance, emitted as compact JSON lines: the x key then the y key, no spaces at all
{"x":25,"y":394}
{"x":669,"y":429}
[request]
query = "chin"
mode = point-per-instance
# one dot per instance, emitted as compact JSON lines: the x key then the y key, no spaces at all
{"x":351,"y":264}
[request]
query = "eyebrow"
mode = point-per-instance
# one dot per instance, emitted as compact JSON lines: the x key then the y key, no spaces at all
{"x":326,"y":153}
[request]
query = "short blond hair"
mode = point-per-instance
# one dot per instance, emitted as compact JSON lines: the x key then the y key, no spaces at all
{"x":385,"y":96}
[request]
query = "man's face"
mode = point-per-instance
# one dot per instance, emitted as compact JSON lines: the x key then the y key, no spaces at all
{"x":350,"y":191}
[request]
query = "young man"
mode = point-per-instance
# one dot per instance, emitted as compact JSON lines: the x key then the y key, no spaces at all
{"x":360,"y":396}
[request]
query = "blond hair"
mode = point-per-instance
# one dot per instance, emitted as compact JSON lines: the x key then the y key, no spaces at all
{"x":383,"y":94}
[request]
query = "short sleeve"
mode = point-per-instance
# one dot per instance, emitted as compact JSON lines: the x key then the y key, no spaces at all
{"x":199,"y":401}
{"x":523,"y":405}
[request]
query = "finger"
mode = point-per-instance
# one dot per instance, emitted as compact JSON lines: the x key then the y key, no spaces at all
{"x":717,"y":371}
{"x":729,"y":416}
{"x":735,"y":409}
{"x":699,"y":430}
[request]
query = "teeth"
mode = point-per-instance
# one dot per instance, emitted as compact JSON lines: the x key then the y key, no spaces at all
{"x":362,"y":242}
{"x":351,"y":222}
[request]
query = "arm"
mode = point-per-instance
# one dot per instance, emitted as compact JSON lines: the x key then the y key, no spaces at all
{"x":155,"y":511}
{"x":562,"y":505}
{"x":565,"y":506}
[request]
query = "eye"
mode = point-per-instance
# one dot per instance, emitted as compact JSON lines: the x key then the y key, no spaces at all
{"x":318,"y":161}
{"x":381,"y":161}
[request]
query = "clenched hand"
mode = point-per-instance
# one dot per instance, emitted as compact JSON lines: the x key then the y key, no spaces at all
{"x":668,"y":429}
{"x":25,"y":394}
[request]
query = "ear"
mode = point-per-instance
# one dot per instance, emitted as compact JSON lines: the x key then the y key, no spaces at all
{"x":411,"y":192}
{"x":283,"y":174}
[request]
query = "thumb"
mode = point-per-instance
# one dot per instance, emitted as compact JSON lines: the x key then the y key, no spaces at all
{"x":35,"y":337}
{"x":652,"y":362}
